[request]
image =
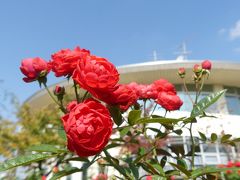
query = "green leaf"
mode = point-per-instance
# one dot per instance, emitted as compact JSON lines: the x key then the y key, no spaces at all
{"x":204,"y":103}
{"x":124,"y":131}
{"x":162,"y":120}
{"x":116,"y":114}
{"x":62,"y":134}
{"x":182,"y":163}
{"x":209,"y":170}
{"x":203,"y":137}
{"x":236,"y":140}
{"x":213,"y":137}
{"x":24,"y":160}
{"x":178,"y":131}
{"x":133,"y":116}
{"x":46,"y":148}
{"x":78,"y":159}
{"x":163,"y":161}
{"x":225,"y":138}
{"x":65,"y":172}
{"x":182,"y":169}
{"x":112,"y":145}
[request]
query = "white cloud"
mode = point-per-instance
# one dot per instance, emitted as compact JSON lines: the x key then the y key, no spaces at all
{"x":234,"y":32}
{"x":222,"y":31}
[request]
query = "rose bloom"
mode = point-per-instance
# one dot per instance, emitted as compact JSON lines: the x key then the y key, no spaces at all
{"x":147,"y":91}
{"x":122,"y":95}
{"x":207,"y":65}
{"x":169,"y":101}
{"x":34,"y":68}
{"x":64,"y":62}
{"x":101,"y":176}
{"x":88,"y":127}
{"x":96,"y":73}
{"x":163,"y":85}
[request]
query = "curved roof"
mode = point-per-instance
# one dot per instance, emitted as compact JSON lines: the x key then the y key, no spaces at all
{"x":223,"y":73}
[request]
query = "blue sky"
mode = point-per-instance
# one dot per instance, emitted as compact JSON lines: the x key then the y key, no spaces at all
{"x":125,"y":32}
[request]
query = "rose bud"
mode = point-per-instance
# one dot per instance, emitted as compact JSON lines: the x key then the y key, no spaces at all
{"x":207,"y":65}
{"x":181,"y":72}
{"x":34,"y":69}
{"x":59,"y":92}
{"x":44,"y":178}
{"x":55,"y":169}
{"x":197,"y":68}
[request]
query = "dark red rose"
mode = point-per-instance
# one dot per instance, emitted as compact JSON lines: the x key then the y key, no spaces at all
{"x":88,"y":127}
{"x":169,"y":101}
{"x":163,"y":85}
{"x":64,"y":62}
{"x":34,"y":68}
{"x":207,"y":65}
{"x":122,"y":95}
{"x":96,"y":73}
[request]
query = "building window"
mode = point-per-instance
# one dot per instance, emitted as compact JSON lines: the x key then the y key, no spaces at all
{"x":233,"y":100}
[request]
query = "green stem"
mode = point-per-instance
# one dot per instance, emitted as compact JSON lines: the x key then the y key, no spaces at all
{"x":84,"y":96}
{"x":55,"y":100}
{"x":76,"y":91}
{"x":186,"y":91}
{"x":50,"y":94}
{"x":154,"y":109}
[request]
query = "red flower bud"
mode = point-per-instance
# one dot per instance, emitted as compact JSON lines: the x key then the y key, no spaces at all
{"x":197,"y":68}
{"x":207,"y":65}
{"x":181,"y":72}
{"x":55,"y":169}
{"x":44,"y":177}
{"x":34,"y":69}
{"x":59,"y":90}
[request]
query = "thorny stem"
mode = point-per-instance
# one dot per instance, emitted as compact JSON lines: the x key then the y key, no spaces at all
{"x":76,"y":91}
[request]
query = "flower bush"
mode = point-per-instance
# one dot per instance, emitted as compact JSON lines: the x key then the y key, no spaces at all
{"x":112,"y":115}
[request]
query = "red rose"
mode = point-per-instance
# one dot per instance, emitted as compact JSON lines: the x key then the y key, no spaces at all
{"x":88,"y":127}
{"x":122,"y":95}
{"x":96,"y":73}
{"x":101,"y":177}
{"x":163,"y":85}
{"x":149,"y":177}
{"x":207,"y":65}
{"x":71,"y":105}
{"x":237,"y":164}
{"x":34,"y":68}
{"x":169,"y":101}
{"x":147,"y":91}
{"x":64,"y":62}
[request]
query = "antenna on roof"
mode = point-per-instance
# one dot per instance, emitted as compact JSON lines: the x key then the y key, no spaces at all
{"x":183,"y":52}
{"x":155,"y":55}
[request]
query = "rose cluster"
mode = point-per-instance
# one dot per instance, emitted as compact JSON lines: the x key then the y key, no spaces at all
{"x":88,"y":123}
